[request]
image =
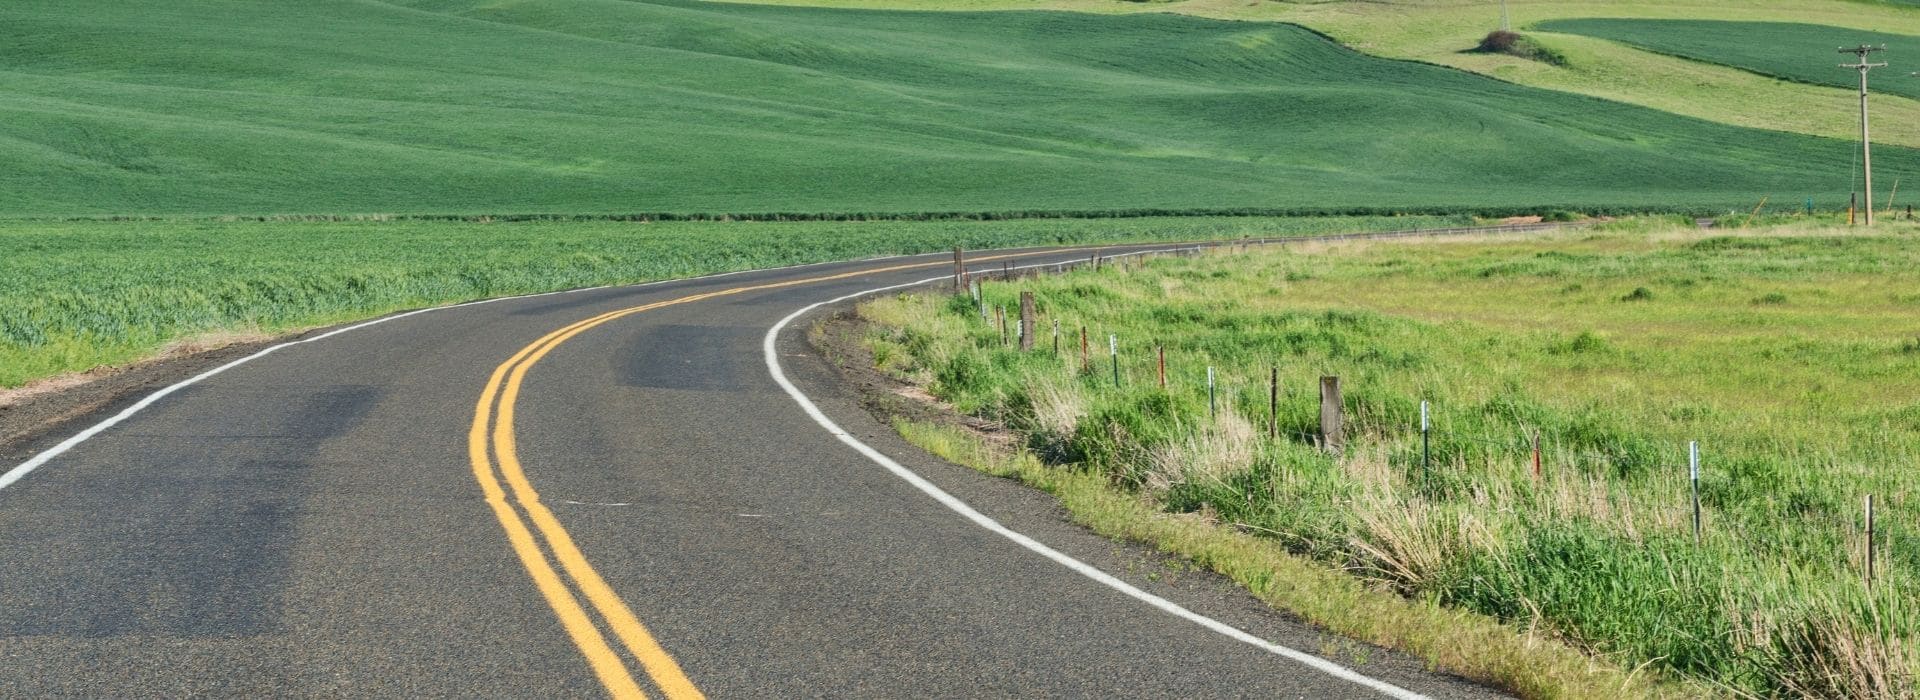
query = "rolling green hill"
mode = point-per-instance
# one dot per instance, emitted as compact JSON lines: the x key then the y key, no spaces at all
{"x":1441,"y":32}
{"x":583,"y":106}
{"x":1799,"y":52}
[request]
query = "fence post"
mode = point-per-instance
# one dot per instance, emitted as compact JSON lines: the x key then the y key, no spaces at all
{"x":1113,"y":349}
{"x":1056,"y":337}
{"x":1000,"y":312}
{"x":1426,"y":443}
{"x":1869,"y":540}
{"x":1331,"y":416}
{"x":980,"y":297}
{"x":1026,"y":321}
{"x":1273,"y":402}
{"x":1161,"y":350}
{"x":1086,"y":355}
{"x":959,"y":271}
{"x":1213,"y":409}
{"x":1536,"y":455}
{"x":1693,"y":476}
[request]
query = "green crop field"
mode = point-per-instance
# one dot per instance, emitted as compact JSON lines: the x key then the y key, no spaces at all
{"x":1800,"y":52}
{"x":1790,"y":355}
{"x":577,"y":106}
{"x":84,"y":294}
{"x":1441,"y":32}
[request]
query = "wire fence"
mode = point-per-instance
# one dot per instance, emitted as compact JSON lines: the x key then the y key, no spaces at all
{"x":1544,"y":454}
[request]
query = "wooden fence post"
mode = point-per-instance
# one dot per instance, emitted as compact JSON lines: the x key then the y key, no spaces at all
{"x":1027,"y":322}
{"x":1086,"y":354}
{"x":1536,"y":455}
{"x":1332,"y":416}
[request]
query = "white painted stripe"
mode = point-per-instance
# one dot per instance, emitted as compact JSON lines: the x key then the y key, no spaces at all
{"x":24,"y":468}
{"x":1082,"y":568}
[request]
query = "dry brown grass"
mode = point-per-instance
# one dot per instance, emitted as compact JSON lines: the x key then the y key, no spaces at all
{"x":1211,"y":454}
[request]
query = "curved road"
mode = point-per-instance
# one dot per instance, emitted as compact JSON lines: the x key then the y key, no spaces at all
{"x":625,"y":490}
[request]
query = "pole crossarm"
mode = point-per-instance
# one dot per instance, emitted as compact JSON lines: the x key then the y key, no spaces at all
{"x":1862,"y":51}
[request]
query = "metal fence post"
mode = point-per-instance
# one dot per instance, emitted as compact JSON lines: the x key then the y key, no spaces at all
{"x":1693,"y":476}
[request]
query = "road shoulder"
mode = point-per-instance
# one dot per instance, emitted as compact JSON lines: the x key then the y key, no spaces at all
{"x":49,"y":410}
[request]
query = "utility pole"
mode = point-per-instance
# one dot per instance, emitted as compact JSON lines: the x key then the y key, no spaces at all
{"x":1866,"y":143}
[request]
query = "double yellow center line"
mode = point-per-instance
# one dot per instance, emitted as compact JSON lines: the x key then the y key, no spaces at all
{"x":490,"y":447}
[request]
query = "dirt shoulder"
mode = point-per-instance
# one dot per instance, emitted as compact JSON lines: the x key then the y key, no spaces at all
{"x":52,"y":408}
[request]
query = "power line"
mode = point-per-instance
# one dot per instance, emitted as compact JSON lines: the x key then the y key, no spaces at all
{"x":1866,"y":142}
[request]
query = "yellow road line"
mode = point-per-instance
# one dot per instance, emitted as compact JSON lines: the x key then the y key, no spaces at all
{"x":606,"y":664}
{"x":505,"y":386}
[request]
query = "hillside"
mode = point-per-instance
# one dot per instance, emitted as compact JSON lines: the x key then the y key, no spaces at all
{"x":1799,"y":52}
{"x":1442,"y":31}
{"x":583,"y":106}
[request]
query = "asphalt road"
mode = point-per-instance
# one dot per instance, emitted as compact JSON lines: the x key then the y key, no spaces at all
{"x":346,"y":517}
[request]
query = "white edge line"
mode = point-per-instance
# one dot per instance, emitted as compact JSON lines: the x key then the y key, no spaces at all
{"x":1082,"y":568}
{"x":24,"y":468}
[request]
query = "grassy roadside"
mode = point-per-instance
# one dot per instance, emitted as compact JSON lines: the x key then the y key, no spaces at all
{"x":1787,"y":353}
{"x":81,"y":295}
{"x":1472,"y":646}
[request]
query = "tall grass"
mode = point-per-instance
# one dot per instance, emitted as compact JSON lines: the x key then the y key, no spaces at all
{"x":1785,"y":352}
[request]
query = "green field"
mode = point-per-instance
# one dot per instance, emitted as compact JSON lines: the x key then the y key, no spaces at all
{"x":1441,"y":31}
{"x":1791,"y":355}
{"x":579,"y":106}
{"x":84,"y":294}
{"x":1799,"y":52}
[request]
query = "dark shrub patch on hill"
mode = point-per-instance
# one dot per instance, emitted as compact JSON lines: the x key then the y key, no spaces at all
{"x":1517,"y":44}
